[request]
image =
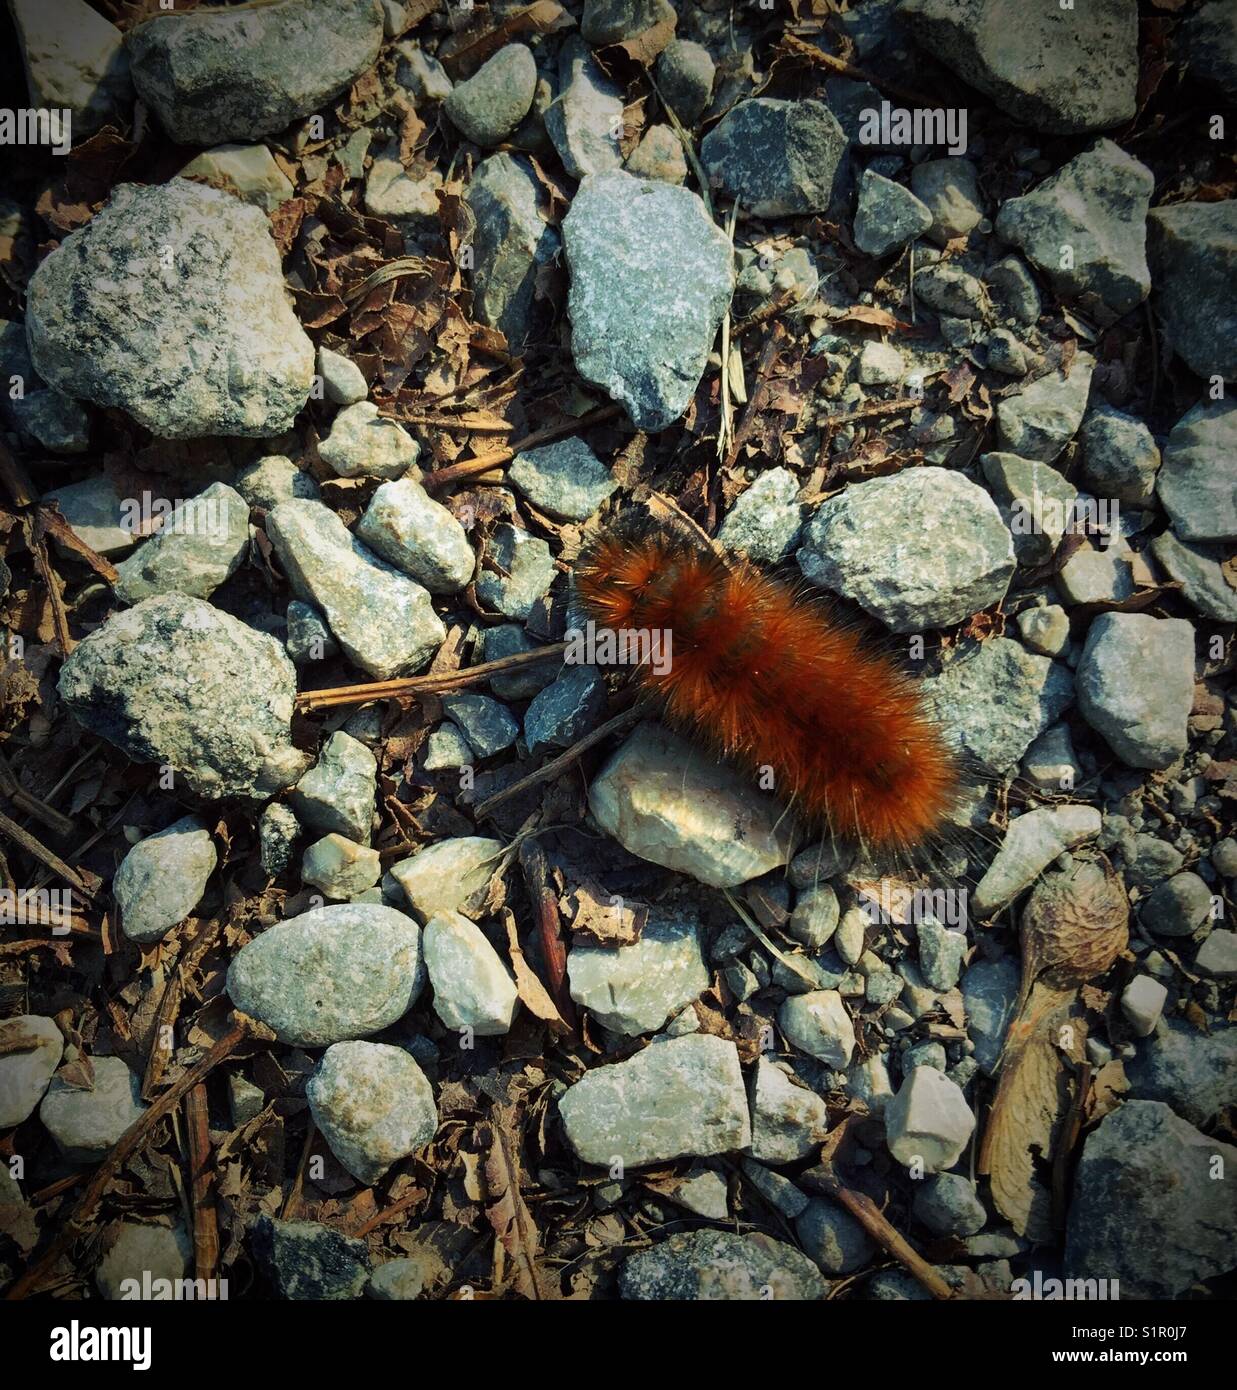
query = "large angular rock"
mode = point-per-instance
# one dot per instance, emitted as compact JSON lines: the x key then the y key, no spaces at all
{"x":511,"y":244}
{"x":1195,"y":482}
{"x":922,"y":549}
{"x":330,"y":975}
{"x":30,"y":1051}
{"x":384,"y":621}
{"x":1193,"y":252}
{"x":669,"y":802}
{"x":679,"y":1096}
{"x":1195,"y":1073}
{"x":1136,"y":685}
{"x":788,"y":1120}
{"x":1085,"y":70}
{"x":586,"y":117}
{"x":162,"y":879}
{"x":997,"y":701}
{"x":1042,"y":418}
{"x":214,"y":75}
{"x":448,"y":876}
{"x":721,"y":1266}
{"x":1148,"y":1211}
{"x":778,"y":158}
{"x":817,"y":1023}
{"x":170,"y":304}
{"x":373,"y":1105}
{"x":651,"y":278}
{"x":175,"y":681}
{"x":472,"y":987}
{"x":200,"y":545}
{"x":1096,"y":207}
{"x":414,"y":533}
{"x":74,"y":60}
{"x":635,"y":989}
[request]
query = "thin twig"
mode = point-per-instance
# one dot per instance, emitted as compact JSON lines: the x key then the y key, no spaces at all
{"x":244,"y":1029}
{"x":202,"y":1181}
{"x":31,"y":804}
{"x":10,"y":830}
{"x":760,"y":391}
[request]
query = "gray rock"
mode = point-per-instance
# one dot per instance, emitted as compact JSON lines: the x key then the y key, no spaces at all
{"x":340,"y":868}
{"x":610,"y":21}
{"x":1147,"y":1211}
{"x":1040,"y":420}
{"x":668,"y":802}
{"x":336,"y":795}
{"x":373,"y":1106}
{"x":200,"y":545}
{"x":342,"y":380}
{"x":1006,"y":354}
{"x":381,"y":619}
{"x":1224,"y":856}
{"x":528,"y":571}
{"x":274,"y":479}
{"x":947,"y":1205}
{"x":419,"y":536}
{"x":832,"y":1238}
{"x":1033,"y":840}
{"x":408,"y":203}
{"x":306,"y":1261}
{"x":781,"y":1194}
{"x":418,"y":73}
{"x":995,"y":702}
{"x":869,"y":1080}
{"x":1136,"y":685}
{"x":888,"y":215}
{"x":817,"y":1023}
{"x":564,"y":479}
{"x":142,"y":1254}
{"x":949,"y":189}
{"x":511,"y":245}
{"x":1178,"y":906}
{"x":1195,"y":483}
{"x":1013,"y":288}
{"x":249,"y":172}
{"x":1142,"y":1003}
{"x":506,"y":640}
{"x":86,"y":1124}
{"x":565,"y":710}
{"x":1198,"y":569}
{"x":75,"y":61}
{"x":951,"y":291}
{"x":162,"y":879}
{"x":990,"y":992}
{"x":330,"y":975}
{"x":446,"y":747}
{"x":635,"y":989}
{"x":1195,"y":1073}
{"x":397,"y":1281}
{"x":30,"y":1051}
{"x":1097,"y":576}
{"x":52,"y":420}
{"x":685,"y":74}
{"x":922,"y":549}
{"x":94,"y":509}
{"x":1208,"y":40}
{"x":677,"y":1097}
{"x":1120,"y":457}
{"x":278,"y":832}
{"x":941,"y":953}
{"x":1096,"y":205}
{"x":1035,"y":502}
{"x":764,"y":524}
{"x":364,"y":444}
{"x":1045,"y":630}
{"x":170,"y":304}
{"x":880,"y":364}
{"x":173,"y":680}
{"x":928,"y":1120}
{"x":489,"y":106}
{"x":472,"y":987}
{"x":778,"y":158}
{"x":448,"y":876}
{"x":1192,"y":248}
{"x":309,"y":638}
{"x":1086,"y":69}
{"x":586,"y":115}
{"x":488,"y":726}
{"x":700,"y":1266}
{"x":216,"y":74}
{"x":788,"y":1120}
{"x":651,"y":279}
{"x":815,"y":918}
{"x":245,"y":1100}
{"x":1217,"y":956}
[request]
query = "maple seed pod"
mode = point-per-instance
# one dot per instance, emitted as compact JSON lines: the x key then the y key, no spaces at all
{"x":1074,"y":926}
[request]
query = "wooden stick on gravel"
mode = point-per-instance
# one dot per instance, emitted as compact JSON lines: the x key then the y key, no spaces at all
{"x":202,"y":1182}
{"x":244,"y":1029}
{"x":10,"y":830}
{"x":545,"y":910}
{"x":408,"y":687}
{"x":31,"y":804}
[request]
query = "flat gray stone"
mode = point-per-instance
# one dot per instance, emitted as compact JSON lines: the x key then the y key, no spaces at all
{"x":1147,"y":1211}
{"x":888,"y":215}
{"x":528,"y":571}
{"x":711,"y":1266}
{"x":817,"y":1023}
{"x":565,"y":479}
{"x":1195,"y":1073}
{"x":685,"y":73}
{"x":488,"y":726}
{"x":1035,"y":502}
{"x":173,"y":680}
{"x":651,"y":279}
{"x":340,"y":868}
{"x":1192,"y":248}
{"x":682,"y":1096}
{"x":507,"y":639}
{"x":1136,"y":685}
{"x":450,"y":875}
{"x":274,"y":479}
{"x":170,"y":304}
{"x":220,"y":74}
{"x":1177,"y":906}
{"x":949,"y":188}
{"x":947,"y":1205}
{"x":364,"y":444}
{"x":1040,"y":420}
{"x":832,"y":1238}
{"x":766,"y":521}
{"x":30,"y":1051}
{"x":336,"y":795}
{"x":788,"y":1120}
{"x":74,"y":60}
{"x":308,"y":1262}
{"x":1198,"y":569}
{"x":1120,"y":455}
{"x":373,"y":1105}
{"x":585,"y":116}
{"x":1195,"y":483}
{"x":201,"y":544}
{"x":778,"y":158}
{"x":990,"y":991}
{"x":922,"y":549}
{"x":86,"y":1124}
{"x":489,"y":105}
{"x":247,"y":171}
{"x":342,"y":380}
{"x":96,"y":512}
{"x":419,"y":536}
{"x":382,"y":620}
{"x":473,"y":988}
{"x":567,"y":709}
{"x":162,"y":879}
{"x":331,"y":974}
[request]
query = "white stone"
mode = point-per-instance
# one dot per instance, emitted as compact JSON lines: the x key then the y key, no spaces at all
{"x":928,"y":1121}
{"x":472,"y":987}
{"x":1142,"y":1003}
{"x":817,"y":1023}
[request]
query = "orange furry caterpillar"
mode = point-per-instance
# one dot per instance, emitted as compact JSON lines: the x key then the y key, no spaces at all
{"x":760,"y":671}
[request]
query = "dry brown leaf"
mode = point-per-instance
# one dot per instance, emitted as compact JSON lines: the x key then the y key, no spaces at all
{"x":533,"y":994}
{"x":515,"y":1231}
